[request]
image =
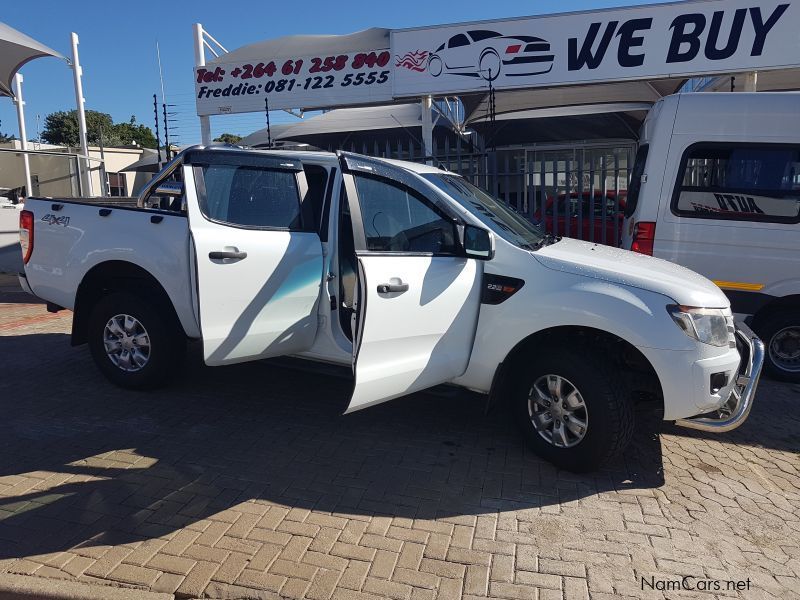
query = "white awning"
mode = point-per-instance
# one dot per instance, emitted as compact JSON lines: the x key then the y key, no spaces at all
{"x":511,"y":101}
{"x":307,"y":45}
{"x":16,"y":49}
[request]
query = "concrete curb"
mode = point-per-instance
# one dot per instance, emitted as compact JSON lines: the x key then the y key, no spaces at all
{"x":29,"y":587}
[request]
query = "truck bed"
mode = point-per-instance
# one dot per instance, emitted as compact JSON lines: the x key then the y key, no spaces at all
{"x":73,"y":236}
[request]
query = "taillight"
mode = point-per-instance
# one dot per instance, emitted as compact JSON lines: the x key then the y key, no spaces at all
{"x":26,"y":234}
{"x":644,"y":234}
{"x":513,"y":49}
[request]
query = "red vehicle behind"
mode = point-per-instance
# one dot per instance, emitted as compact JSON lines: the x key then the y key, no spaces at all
{"x":584,"y":216}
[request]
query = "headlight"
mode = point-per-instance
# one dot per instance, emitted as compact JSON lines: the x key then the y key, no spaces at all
{"x":707,"y":325}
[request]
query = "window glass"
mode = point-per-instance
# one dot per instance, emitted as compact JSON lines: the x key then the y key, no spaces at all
{"x":508,"y":224}
{"x":458,"y":40}
{"x":251,"y":196}
{"x":752,"y":183}
{"x":397,"y":220}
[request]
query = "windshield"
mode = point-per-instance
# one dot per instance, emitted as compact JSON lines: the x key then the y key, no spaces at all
{"x":502,"y":220}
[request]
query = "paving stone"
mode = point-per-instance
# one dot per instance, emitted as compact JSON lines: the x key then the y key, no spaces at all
{"x":220,"y":486}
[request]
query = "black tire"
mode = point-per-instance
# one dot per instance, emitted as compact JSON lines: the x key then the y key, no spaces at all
{"x":608,"y":408}
{"x":768,"y":327}
{"x":167,"y":344}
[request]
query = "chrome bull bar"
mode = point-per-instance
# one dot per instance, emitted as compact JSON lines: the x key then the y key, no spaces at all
{"x":736,"y":410}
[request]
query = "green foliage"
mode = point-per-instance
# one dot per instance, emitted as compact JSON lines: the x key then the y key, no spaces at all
{"x":229,"y":138}
{"x":6,"y":137}
{"x":61,"y":128}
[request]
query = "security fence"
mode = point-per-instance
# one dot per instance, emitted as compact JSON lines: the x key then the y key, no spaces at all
{"x":575,"y":190}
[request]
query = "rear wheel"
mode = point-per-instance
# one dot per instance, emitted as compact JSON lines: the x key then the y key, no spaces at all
{"x":133,"y":343}
{"x":780,"y":332}
{"x":573,"y":411}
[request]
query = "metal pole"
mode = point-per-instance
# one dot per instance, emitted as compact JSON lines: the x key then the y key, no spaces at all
{"x":427,"y":129}
{"x":167,"y":149}
{"x":23,"y":134}
{"x":77,"y":73}
{"x":158,"y":137}
{"x":200,"y":61}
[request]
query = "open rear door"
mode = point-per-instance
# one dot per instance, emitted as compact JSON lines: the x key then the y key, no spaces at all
{"x":418,"y":300}
{"x":258,"y":256}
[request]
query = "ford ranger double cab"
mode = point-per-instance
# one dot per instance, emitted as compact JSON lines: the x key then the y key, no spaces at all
{"x":406,"y":273}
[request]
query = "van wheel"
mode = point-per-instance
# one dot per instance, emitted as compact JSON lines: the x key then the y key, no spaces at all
{"x":781,"y":334}
{"x":133,"y":344}
{"x":574,"y":411}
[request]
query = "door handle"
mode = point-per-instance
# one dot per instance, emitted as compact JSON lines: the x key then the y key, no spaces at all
{"x":220,"y":254}
{"x":385,"y":288}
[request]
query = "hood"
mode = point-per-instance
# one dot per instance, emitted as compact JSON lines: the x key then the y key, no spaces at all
{"x":636,"y":270}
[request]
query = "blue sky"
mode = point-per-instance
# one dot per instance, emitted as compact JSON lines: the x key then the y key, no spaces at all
{"x":118,"y":46}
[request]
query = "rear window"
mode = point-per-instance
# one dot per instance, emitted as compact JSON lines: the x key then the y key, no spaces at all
{"x":744,"y":182}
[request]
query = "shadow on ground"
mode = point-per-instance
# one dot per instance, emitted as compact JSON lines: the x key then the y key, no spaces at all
{"x":219,"y":437}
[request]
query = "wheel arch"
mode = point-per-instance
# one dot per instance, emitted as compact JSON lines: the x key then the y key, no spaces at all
{"x":641,"y":376}
{"x":116,"y":276}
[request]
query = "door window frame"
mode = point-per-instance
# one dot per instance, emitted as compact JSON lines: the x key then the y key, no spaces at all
{"x":721,"y":216}
{"x":353,"y":165}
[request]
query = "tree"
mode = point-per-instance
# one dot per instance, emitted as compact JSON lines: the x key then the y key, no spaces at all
{"x":6,"y":138}
{"x":130,"y":132}
{"x":61,"y":128}
{"x":229,"y":138}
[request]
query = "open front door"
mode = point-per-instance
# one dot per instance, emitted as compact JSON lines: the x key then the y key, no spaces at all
{"x":419,"y":297}
{"x":258,"y":257}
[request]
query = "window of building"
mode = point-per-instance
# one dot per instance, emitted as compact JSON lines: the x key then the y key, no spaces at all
{"x":116,"y":184}
{"x":749,"y":182}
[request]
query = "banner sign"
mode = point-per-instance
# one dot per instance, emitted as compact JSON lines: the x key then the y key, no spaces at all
{"x":684,"y":39}
{"x":294,"y":82}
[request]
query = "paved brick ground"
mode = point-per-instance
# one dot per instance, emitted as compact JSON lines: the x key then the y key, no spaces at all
{"x":246,"y":482}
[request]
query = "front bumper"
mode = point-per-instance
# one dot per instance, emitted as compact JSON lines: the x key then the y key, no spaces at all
{"x":737,"y":408}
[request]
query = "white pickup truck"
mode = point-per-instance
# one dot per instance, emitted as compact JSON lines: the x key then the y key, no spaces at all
{"x":408,"y":273}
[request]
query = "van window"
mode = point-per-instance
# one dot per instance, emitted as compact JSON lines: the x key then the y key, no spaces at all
{"x":744,"y":182}
{"x":636,"y":179}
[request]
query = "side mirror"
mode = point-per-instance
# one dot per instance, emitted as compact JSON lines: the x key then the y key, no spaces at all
{"x":478,"y":243}
{"x":170,"y":189}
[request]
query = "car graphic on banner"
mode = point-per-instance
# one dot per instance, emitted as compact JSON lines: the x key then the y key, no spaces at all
{"x":489,"y":54}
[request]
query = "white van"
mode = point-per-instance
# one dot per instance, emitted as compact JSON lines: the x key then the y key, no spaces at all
{"x":716,"y":188}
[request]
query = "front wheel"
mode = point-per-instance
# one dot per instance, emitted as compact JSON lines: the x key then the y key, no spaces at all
{"x":573,"y":410}
{"x":132,"y":343}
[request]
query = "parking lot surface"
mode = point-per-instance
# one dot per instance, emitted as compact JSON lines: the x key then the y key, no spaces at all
{"x":247,"y":482}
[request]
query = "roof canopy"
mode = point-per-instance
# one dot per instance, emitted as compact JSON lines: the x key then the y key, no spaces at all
{"x":317,"y":130}
{"x":16,"y":49}
{"x":509,"y":101}
{"x":305,"y":45}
